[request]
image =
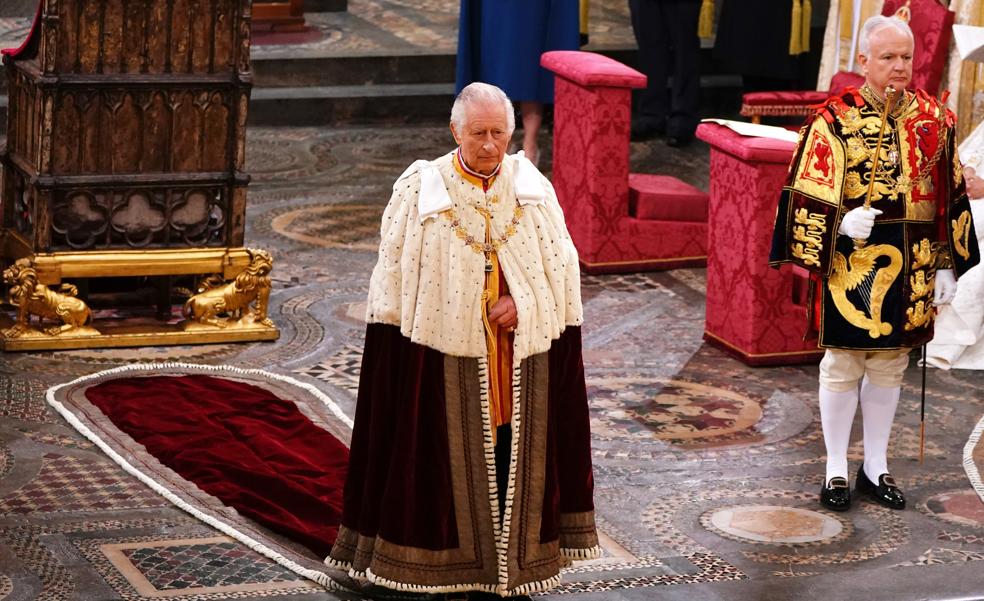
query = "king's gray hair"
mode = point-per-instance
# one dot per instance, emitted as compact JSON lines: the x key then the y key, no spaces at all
{"x":876,"y":23}
{"x":480,"y":93}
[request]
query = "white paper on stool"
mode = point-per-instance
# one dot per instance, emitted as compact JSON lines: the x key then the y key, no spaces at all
{"x":757,"y":130}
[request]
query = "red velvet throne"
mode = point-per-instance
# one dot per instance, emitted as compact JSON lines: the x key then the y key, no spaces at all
{"x":754,"y":312}
{"x":931,"y":25}
{"x":619,"y":221}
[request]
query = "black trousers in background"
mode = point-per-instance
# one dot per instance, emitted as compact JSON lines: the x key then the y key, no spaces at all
{"x":666,"y":32}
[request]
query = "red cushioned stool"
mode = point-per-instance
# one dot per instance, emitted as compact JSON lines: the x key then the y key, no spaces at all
{"x":665,"y":198}
{"x":592,"y":101}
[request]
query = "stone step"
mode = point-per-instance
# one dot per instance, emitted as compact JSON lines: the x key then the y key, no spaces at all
{"x":297,"y":71}
{"x":410,"y":102}
{"x":398,"y":103}
{"x":392,"y":88}
{"x":401,"y":88}
{"x":306,"y":68}
{"x":329,"y":105}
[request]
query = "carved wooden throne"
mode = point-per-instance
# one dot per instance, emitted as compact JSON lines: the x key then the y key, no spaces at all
{"x":125,"y":156}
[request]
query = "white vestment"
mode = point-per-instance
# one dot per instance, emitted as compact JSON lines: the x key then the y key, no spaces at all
{"x":959,"y":339}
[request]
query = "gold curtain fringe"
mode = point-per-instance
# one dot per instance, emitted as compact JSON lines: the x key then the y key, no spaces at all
{"x":777,"y":110}
{"x":705,"y":24}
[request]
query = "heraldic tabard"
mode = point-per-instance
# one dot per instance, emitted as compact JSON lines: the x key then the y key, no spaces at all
{"x":878,"y":295}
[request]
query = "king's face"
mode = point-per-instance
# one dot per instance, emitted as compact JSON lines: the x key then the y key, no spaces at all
{"x":484,"y":137}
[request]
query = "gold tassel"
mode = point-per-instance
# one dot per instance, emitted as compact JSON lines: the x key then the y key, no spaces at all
{"x":795,"y":35}
{"x":705,"y":25}
{"x":807,"y":18}
{"x":583,"y":16}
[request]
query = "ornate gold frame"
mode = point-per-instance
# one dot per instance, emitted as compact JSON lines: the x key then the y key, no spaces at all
{"x":225,"y":263}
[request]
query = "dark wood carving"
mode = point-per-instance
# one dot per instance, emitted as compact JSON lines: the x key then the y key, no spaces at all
{"x":126,"y":126}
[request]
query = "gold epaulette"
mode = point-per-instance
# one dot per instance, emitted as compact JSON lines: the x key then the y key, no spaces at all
{"x":836,"y":106}
{"x":935,"y":107}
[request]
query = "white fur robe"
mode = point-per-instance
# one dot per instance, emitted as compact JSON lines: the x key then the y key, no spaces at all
{"x":429,"y":282}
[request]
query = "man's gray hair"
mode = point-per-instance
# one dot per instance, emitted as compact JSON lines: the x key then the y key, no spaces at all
{"x":877,"y":23}
{"x":481,"y":93}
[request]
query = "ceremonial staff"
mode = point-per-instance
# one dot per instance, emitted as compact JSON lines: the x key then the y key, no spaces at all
{"x":922,"y":409}
{"x":891,"y":94}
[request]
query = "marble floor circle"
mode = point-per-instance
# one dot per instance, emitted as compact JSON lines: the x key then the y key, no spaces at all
{"x":775,"y":524}
{"x":960,"y":507}
{"x":679,"y":412}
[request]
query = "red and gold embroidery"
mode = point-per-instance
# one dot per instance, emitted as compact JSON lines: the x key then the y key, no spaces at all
{"x":808,"y":236}
{"x":819,"y":162}
{"x":961,"y":234}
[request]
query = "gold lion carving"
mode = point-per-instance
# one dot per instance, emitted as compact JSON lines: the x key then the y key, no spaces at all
{"x":34,"y":298}
{"x":233,"y":299}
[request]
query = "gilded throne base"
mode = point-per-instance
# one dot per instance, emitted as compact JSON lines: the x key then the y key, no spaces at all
{"x":208,"y":320}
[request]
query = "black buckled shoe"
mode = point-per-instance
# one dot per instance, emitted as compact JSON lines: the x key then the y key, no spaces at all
{"x":886,"y":492}
{"x":836,"y":494}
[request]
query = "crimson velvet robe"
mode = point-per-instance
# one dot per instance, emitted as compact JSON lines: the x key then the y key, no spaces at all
{"x":421,"y":503}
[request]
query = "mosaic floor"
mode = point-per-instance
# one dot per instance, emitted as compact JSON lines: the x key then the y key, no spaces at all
{"x":706,"y":470}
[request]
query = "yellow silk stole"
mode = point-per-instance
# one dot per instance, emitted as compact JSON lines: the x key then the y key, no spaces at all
{"x":498,"y":341}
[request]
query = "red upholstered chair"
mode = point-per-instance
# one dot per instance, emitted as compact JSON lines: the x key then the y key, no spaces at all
{"x":619,"y":221}
{"x":931,"y":24}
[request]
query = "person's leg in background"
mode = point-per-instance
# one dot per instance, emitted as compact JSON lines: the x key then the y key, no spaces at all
{"x":683,"y":117}
{"x":649,"y":23}
{"x":531,"y":113}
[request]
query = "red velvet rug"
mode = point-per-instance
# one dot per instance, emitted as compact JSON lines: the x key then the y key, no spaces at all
{"x":259,"y":456}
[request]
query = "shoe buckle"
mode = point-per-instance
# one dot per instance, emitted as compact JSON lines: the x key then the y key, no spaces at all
{"x":837,"y":483}
{"x":888,"y":480}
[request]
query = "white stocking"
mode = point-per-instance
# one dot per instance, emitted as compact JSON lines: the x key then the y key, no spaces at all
{"x":878,"y":410}
{"x":837,"y":415}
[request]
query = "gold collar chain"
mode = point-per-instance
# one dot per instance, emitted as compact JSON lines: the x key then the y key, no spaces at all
{"x":488,"y":245}
{"x":904,"y":183}
{"x":879,"y":105}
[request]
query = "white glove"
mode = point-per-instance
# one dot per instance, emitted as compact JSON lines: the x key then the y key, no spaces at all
{"x":945,"y":288}
{"x":857,"y":223}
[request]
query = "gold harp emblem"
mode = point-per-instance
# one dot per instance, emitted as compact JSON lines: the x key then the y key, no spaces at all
{"x":860,"y":272}
{"x":961,"y":234}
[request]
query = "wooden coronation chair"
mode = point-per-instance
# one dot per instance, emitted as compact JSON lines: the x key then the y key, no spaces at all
{"x":126,"y":143}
